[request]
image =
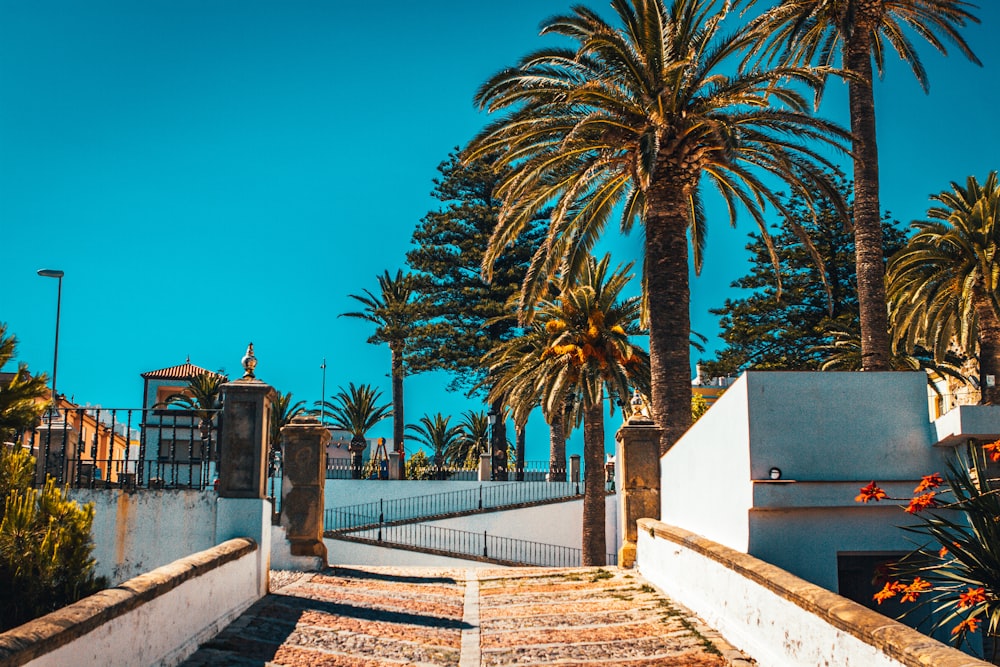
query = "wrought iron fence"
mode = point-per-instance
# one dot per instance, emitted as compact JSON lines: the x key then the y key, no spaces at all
{"x":124,"y":447}
{"x":506,"y":550}
{"x":341,"y":467}
{"x":492,"y":496}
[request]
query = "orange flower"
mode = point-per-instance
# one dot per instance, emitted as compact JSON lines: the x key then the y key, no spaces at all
{"x":870,"y":492}
{"x":993,"y":450}
{"x":943,"y":552}
{"x":929,"y":482}
{"x":911,"y":592}
{"x":890,"y":590}
{"x":969,"y":624}
{"x":971,"y":597}
{"x":921,"y":503}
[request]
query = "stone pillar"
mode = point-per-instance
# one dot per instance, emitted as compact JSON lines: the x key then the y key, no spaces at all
{"x":637,"y":463}
{"x":485,"y":461}
{"x":574,"y":468}
{"x":246,"y":415}
{"x":302,"y":487}
{"x":394,"y":466}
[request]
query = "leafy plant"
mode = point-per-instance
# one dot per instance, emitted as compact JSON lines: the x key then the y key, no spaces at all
{"x":45,"y":544}
{"x":954,"y":575}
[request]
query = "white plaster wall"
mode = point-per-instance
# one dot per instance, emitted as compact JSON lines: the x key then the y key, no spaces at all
{"x":705,"y":477}
{"x":806,"y":541}
{"x":353,"y":554}
{"x":560,"y":524}
{"x":167,"y":629}
{"x":839,"y":426}
{"x":137,"y":532}
{"x":341,"y":492}
{"x":772,"y":630}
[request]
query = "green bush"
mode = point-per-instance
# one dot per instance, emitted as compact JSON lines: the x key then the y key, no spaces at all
{"x":45,"y":544}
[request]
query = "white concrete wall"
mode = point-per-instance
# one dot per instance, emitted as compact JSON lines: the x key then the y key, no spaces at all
{"x":137,"y":532}
{"x":705,"y":477}
{"x":829,"y":434}
{"x":776,"y":618}
{"x":560,"y":524}
{"x":839,"y":426}
{"x":168,"y":628}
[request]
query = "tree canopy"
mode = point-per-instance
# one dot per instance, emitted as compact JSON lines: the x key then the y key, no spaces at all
{"x":792,"y":328}
{"x":464,"y":313}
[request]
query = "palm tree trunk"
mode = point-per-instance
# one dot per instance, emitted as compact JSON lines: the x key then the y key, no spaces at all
{"x":989,"y":348}
{"x":868,"y":251}
{"x":594,"y":548}
{"x":668,"y":298}
{"x":557,"y":448}
{"x":398,"y":422}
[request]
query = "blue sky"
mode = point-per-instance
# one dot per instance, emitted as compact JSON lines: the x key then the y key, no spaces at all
{"x":213,"y":173}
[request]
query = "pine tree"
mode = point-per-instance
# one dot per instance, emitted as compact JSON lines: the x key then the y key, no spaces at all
{"x":467,"y":315}
{"x":45,"y":544}
{"x":787,"y":328}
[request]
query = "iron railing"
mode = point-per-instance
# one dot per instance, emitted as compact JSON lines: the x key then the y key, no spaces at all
{"x":492,"y":496}
{"x":505,"y":550}
{"x":124,"y":447}
{"x":341,"y":467}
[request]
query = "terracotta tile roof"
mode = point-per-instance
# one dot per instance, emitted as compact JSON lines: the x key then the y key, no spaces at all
{"x":185,"y":371}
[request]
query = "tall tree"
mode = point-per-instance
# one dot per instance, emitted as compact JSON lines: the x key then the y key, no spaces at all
{"x":857,"y":32}
{"x":943,"y":285}
{"x":435,"y":432}
{"x":473,"y":440}
{"x":465,"y":314}
{"x":788,"y":328}
{"x":588,"y":355}
{"x":395,"y":312}
{"x":22,"y":396}
{"x":637,"y":119}
{"x":357,"y":410}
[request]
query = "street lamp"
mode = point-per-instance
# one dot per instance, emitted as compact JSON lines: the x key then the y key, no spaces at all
{"x":55,"y":273}
{"x":492,"y":417}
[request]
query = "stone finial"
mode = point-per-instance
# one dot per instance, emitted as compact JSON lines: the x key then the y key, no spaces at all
{"x":640,"y":410}
{"x":249,"y":363}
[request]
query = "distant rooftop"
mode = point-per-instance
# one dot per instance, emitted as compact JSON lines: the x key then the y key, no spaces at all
{"x":185,"y":371}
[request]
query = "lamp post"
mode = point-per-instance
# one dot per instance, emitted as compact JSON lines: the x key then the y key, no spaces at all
{"x":55,"y":273}
{"x":492,"y":417}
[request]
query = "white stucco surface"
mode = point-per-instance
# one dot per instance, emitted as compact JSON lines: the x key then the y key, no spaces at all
{"x":767,"y":626}
{"x":137,"y":532}
{"x":829,"y":434}
{"x":166,"y":629}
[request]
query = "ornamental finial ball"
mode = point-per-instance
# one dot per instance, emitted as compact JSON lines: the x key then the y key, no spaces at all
{"x":249,"y":363}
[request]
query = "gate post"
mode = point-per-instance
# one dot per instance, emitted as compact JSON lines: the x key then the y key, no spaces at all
{"x":243,"y":510}
{"x":637,"y":468}
{"x":302,"y":487}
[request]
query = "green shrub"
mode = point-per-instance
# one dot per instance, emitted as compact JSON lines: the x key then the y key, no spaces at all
{"x":45,"y":544}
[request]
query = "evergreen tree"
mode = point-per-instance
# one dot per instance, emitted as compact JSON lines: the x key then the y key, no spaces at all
{"x":466,"y":315}
{"x":20,"y":396}
{"x":45,"y":544}
{"x":789,"y":318}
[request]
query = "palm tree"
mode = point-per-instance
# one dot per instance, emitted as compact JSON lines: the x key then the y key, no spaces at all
{"x":589,"y":356}
{"x":473,"y":441}
{"x":943,"y":284}
{"x":394,"y":311}
{"x":21,"y":397}
{"x":283,"y":411}
{"x":819,"y":31}
{"x":434,"y":431}
{"x":637,"y":119}
{"x":202,"y":397}
{"x":516,"y":371}
{"x":357,"y":411}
